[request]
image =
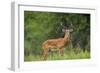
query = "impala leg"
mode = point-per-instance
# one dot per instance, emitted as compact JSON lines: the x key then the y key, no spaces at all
{"x":62,"y":51}
{"x":59,"y":52}
{"x":45,"y":54}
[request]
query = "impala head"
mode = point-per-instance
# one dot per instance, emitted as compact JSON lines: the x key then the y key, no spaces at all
{"x":68,"y":27}
{"x":67,"y":30}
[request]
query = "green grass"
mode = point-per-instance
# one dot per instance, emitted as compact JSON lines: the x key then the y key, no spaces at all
{"x":69,"y":54}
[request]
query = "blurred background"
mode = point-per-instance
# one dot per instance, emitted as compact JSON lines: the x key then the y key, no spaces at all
{"x":41,"y":26}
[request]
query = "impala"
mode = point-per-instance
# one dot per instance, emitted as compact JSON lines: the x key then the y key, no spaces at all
{"x":57,"y":44}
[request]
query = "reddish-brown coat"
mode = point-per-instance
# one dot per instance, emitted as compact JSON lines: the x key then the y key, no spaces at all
{"x":59,"y":44}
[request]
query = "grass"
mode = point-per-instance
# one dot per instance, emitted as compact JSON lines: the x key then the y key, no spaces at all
{"x":69,"y":54}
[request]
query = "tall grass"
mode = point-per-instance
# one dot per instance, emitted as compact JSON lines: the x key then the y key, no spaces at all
{"x":69,"y":54}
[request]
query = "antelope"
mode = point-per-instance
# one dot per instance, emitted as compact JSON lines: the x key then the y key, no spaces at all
{"x":57,"y":44}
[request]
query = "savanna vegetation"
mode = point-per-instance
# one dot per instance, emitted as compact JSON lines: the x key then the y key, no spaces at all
{"x":41,"y":26}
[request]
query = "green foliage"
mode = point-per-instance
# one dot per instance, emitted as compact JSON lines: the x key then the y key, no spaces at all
{"x":41,"y":26}
{"x":70,"y":54}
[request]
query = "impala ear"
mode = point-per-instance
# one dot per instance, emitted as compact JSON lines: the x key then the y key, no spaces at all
{"x":71,"y":30}
{"x":63,"y":30}
{"x":61,"y":24}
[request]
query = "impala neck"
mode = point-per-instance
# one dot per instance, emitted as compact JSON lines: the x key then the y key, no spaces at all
{"x":67,"y":35}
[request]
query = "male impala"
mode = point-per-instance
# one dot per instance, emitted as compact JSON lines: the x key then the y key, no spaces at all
{"x":57,"y":44}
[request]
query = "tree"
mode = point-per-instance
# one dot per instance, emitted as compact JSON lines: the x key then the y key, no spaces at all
{"x":40,"y":26}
